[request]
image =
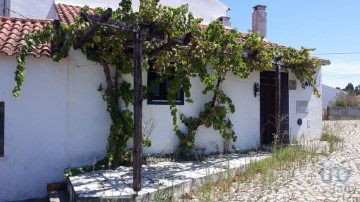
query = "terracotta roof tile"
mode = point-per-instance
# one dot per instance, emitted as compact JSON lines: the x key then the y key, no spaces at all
{"x":12,"y":35}
{"x":67,"y":13}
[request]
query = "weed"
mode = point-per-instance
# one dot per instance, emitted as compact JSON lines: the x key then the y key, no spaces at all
{"x":329,"y":135}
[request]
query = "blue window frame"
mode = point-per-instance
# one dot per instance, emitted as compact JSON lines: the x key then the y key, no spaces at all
{"x":157,"y":94}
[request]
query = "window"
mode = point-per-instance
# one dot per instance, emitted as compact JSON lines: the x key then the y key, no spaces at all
{"x":302,"y":106}
{"x":2,"y":127}
{"x":158,"y":92}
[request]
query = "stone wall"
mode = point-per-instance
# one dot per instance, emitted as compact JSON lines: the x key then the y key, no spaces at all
{"x":343,"y":113}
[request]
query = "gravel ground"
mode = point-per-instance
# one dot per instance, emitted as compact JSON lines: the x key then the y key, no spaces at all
{"x":335,"y":177}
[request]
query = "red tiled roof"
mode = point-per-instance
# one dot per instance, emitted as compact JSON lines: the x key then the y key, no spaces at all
{"x":67,"y":13}
{"x":12,"y":35}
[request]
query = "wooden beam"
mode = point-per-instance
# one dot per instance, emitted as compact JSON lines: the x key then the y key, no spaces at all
{"x":137,"y":112}
{"x":105,"y":16}
{"x":148,"y":30}
{"x":122,"y":25}
{"x":172,"y":42}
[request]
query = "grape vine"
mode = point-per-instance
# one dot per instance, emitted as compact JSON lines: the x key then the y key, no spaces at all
{"x":210,"y":54}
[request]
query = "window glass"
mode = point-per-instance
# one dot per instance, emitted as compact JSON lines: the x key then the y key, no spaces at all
{"x":158,"y":90}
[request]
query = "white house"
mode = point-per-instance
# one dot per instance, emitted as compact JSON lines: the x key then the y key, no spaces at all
{"x":60,"y":119}
{"x":329,"y":95}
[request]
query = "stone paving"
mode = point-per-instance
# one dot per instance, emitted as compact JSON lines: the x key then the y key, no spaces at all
{"x":335,"y":177}
{"x":160,"y":181}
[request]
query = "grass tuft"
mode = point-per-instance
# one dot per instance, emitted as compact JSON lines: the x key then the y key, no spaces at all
{"x":330,"y":135}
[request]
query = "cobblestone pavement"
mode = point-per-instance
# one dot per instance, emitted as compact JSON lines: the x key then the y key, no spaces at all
{"x":335,"y":177}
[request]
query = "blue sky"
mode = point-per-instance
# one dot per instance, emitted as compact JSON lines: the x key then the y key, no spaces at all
{"x":328,"y":26}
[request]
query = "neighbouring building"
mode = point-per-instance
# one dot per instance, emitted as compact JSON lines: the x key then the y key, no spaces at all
{"x":329,"y":95}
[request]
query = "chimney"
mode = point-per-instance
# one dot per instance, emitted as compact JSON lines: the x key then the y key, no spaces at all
{"x":259,"y":20}
{"x":225,"y":21}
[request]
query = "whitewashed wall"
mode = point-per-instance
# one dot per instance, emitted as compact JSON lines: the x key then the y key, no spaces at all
{"x":59,"y":121}
{"x":246,"y":119}
{"x":312,"y":121}
{"x":208,"y":9}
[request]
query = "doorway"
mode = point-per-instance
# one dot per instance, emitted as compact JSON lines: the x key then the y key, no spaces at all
{"x":267,"y":107}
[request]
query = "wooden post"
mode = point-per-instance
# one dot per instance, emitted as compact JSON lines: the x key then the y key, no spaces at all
{"x":278,"y":99}
{"x":137,"y":111}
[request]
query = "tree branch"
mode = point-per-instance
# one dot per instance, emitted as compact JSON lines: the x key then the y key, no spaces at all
{"x":214,"y":98}
{"x":106,"y":69}
{"x":185,"y":40}
{"x":105,"y":16}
